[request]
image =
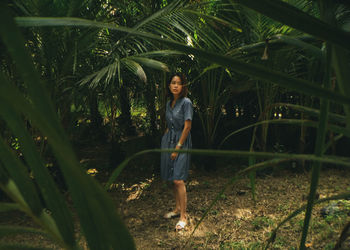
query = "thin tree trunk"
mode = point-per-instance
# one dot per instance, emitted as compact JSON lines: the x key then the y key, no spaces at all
{"x":151,"y":108}
{"x":95,"y":116}
{"x":125,"y":117}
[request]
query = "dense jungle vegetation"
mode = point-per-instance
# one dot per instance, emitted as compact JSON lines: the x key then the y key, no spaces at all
{"x":82,"y":105}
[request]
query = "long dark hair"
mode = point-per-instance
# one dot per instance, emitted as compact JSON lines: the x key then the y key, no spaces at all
{"x":184,"y":90}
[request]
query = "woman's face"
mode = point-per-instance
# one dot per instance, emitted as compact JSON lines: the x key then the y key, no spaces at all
{"x":175,"y":86}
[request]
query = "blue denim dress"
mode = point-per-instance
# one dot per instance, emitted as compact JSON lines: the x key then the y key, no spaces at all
{"x":175,"y":117}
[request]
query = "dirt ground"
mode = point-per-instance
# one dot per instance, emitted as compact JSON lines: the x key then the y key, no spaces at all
{"x":235,"y":222}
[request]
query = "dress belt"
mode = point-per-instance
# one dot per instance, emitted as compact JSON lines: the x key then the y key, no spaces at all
{"x":173,"y":135}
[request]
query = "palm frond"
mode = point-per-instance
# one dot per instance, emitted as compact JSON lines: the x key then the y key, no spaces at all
{"x":135,"y":68}
{"x":151,"y":63}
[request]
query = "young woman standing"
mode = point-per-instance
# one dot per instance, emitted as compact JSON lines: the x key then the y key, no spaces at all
{"x":175,"y":166}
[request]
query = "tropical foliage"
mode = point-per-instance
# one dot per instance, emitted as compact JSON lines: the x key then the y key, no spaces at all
{"x":65,"y":63}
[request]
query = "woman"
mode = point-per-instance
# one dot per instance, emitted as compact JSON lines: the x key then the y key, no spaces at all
{"x":174,"y":166}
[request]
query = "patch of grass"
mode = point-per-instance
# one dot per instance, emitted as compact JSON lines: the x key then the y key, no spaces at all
{"x":283,"y":208}
{"x":237,"y":223}
{"x":161,"y":243}
{"x":329,"y":246}
{"x":319,"y":225}
{"x":241,"y":245}
{"x":214,"y":212}
{"x":261,"y":222}
{"x":300,"y":224}
{"x":327,"y":234}
{"x":206,"y":184}
{"x":336,"y":220}
{"x":223,"y":197}
{"x":280,"y":243}
{"x":209,"y":237}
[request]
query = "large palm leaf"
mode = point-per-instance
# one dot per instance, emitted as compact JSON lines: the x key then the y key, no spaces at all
{"x":99,"y":221}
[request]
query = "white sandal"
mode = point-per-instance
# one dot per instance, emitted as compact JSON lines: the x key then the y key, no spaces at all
{"x":180,"y":225}
{"x":171,"y":215}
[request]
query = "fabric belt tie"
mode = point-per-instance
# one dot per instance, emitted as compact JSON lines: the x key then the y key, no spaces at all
{"x":173,"y":135}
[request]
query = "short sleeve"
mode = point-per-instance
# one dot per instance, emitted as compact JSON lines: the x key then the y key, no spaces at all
{"x":188,"y":109}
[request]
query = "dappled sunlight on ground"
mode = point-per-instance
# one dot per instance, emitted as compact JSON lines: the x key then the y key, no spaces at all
{"x":135,"y":191}
{"x":235,"y":221}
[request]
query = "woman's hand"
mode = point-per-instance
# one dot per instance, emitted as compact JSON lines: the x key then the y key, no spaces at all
{"x":173,"y":155}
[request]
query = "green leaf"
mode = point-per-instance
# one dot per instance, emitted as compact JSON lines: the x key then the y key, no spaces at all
{"x":292,"y":16}
{"x":10,"y":230}
{"x":216,"y":19}
{"x":297,"y":42}
{"x":53,"y":198}
{"x":22,"y":191}
{"x":99,"y":221}
{"x":135,"y":68}
{"x":5,"y":207}
{"x":13,"y":192}
{"x":255,"y":71}
{"x":95,"y":79}
{"x":319,"y":146}
{"x":151,"y":63}
{"x":252,"y":176}
{"x":161,"y":53}
{"x":174,"y":5}
{"x":333,"y":117}
{"x":9,"y":246}
{"x":343,"y":161}
{"x":24,"y":188}
{"x":340,"y":65}
{"x":307,"y":123}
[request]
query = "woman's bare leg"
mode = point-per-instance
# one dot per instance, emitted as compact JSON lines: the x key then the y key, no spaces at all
{"x":180,"y":187}
{"x":177,"y":200}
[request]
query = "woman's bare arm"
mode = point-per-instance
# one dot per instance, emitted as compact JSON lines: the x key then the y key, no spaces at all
{"x":185,"y":132}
